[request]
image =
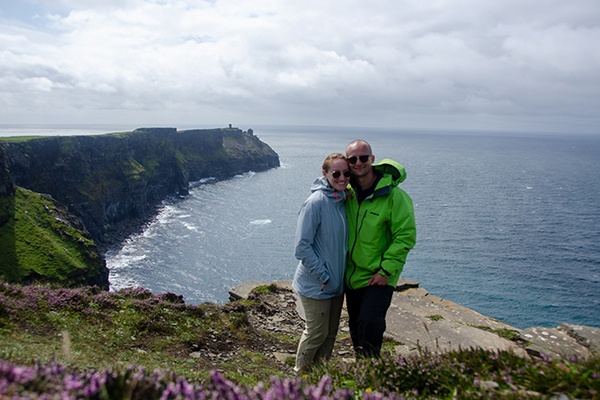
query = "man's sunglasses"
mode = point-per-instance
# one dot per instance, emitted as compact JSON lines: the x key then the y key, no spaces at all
{"x":337,"y":174}
{"x":363,"y":159}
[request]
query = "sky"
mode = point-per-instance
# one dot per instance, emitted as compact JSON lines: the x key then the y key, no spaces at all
{"x":508,"y":65}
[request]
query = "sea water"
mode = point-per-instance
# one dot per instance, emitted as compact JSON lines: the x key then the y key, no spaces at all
{"x":508,"y":223}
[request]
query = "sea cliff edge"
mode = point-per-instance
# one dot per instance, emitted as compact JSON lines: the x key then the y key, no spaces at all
{"x":419,"y":321}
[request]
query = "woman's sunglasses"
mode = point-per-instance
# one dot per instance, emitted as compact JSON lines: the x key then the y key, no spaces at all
{"x":337,"y":174}
{"x":363,"y":159}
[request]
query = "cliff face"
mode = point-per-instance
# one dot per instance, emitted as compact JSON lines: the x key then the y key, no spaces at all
{"x":40,"y":241}
{"x":7,"y":187}
{"x":114,"y":182}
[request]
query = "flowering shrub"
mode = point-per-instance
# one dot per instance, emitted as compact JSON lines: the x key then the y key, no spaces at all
{"x":55,"y":381}
{"x":464,"y":374}
{"x":102,"y":332}
{"x":418,"y":377}
{"x":95,"y":328}
{"x":15,"y":298}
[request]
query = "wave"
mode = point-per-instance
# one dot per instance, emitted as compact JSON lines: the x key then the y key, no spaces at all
{"x":248,"y":174}
{"x":260,"y":222}
{"x":202,"y":181}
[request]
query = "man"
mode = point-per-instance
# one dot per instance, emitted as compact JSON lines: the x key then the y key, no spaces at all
{"x":382,"y":231}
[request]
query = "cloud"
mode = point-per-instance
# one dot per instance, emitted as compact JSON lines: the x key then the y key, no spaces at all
{"x":468,"y":64}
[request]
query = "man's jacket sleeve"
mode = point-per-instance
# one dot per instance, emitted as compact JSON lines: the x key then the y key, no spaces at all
{"x":403,"y":233}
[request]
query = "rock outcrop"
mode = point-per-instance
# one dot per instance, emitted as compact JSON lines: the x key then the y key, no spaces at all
{"x":7,"y":187}
{"x":420,"y":321}
{"x":114,"y":182}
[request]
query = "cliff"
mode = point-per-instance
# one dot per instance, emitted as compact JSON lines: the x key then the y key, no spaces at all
{"x":114,"y":182}
{"x":62,"y":199}
{"x":40,"y":241}
{"x":7,"y":187}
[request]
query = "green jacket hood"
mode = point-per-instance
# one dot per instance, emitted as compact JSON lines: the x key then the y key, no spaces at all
{"x":392,"y":168}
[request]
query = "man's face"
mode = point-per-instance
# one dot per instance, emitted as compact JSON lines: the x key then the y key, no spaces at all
{"x":354,"y":153}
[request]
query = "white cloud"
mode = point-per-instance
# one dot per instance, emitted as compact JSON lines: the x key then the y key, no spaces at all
{"x":504,"y":64}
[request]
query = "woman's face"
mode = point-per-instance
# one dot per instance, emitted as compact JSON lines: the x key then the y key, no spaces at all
{"x":338,"y":167}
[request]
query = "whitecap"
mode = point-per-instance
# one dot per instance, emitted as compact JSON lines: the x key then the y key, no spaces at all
{"x":189,"y":226}
{"x":117,"y":282}
{"x":248,"y":174}
{"x":202,"y":181}
{"x":260,"y":222}
{"x":124,"y":260}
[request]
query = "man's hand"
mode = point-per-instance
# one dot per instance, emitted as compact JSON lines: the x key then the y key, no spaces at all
{"x":378,"y":280}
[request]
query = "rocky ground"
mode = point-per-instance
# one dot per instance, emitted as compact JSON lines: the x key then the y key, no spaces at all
{"x":418,"y":320}
{"x":276,"y":314}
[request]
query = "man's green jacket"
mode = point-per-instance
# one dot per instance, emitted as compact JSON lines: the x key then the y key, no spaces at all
{"x":382,"y":229}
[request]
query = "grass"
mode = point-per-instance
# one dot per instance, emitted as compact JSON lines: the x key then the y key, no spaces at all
{"x":128,"y":327}
{"x":502,"y":332}
{"x":17,"y":139}
{"x":39,"y":239}
{"x":263,"y":289}
{"x":62,"y":333}
{"x":435,"y":317}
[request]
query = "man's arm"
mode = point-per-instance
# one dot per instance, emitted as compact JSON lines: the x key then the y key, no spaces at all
{"x":404,"y":235}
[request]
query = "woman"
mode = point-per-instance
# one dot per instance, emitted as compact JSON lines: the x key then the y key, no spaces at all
{"x":321,"y":246}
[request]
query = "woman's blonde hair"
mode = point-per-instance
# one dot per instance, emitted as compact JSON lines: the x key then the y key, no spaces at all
{"x":330,"y":158}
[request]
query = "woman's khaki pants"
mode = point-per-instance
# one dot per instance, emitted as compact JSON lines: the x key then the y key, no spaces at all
{"x":322,"y":318}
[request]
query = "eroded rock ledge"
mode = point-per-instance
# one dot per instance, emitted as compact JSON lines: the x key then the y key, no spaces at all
{"x":419,"y":320}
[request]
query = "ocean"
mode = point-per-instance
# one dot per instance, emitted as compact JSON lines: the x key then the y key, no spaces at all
{"x":508,"y":223}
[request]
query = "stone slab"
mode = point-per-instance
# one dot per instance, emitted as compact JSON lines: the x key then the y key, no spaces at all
{"x":585,"y":335}
{"x":426,"y":306}
{"x":422,"y":321}
{"x":404,"y":284}
{"x":242,"y":290}
{"x":553,"y":342}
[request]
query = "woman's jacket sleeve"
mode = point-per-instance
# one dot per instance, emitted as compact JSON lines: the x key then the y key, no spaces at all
{"x":309,"y":219}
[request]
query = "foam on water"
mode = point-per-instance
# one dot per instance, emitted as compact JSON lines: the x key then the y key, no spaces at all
{"x":260,"y":222}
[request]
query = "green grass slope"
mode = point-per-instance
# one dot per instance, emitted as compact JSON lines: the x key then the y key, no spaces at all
{"x":41,"y":241}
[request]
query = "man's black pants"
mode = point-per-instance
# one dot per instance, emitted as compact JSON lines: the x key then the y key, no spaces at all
{"x":367,"y":308}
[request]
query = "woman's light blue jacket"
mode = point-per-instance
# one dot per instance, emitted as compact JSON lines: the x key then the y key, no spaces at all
{"x":321,"y":243}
